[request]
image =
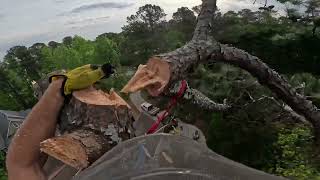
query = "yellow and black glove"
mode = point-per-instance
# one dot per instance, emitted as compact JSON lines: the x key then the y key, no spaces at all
{"x":83,"y":77}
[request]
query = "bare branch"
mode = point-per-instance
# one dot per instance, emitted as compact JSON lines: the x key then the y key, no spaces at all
{"x":295,"y":115}
{"x":271,"y":79}
{"x":204,"y":102}
{"x":199,"y":99}
{"x":284,"y":107}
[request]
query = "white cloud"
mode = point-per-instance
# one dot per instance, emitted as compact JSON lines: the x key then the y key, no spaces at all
{"x":106,"y":5}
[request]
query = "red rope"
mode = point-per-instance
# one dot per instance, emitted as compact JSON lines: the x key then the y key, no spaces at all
{"x":173,"y":102}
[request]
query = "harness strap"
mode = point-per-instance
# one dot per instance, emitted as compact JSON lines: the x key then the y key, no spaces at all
{"x":173,"y":102}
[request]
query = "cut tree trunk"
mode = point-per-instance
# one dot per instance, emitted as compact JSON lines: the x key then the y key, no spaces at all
{"x":203,"y":48}
{"x":92,"y":123}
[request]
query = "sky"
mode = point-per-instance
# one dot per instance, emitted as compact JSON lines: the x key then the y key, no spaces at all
{"x":25,"y":22}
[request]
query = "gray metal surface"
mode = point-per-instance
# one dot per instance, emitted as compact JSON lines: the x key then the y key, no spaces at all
{"x":190,"y":131}
{"x":10,"y":122}
{"x":143,"y":120}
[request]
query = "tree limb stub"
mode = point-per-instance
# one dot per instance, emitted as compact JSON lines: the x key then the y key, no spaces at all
{"x":206,"y":103}
{"x":154,"y":75}
{"x":93,"y":122}
{"x":175,"y":66}
{"x":203,"y":48}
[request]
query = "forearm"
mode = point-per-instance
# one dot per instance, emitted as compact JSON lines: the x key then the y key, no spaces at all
{"x":40,"y":125}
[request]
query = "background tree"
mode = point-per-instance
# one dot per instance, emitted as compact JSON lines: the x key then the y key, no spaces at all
{"x":10,"y":95}
{"x":24,"y":61}
{"x":143,"y":33}
{"x":67,"y":41}
{"x":183,"y":21}
{"x":53,"y":44}
{"x":106,"y":51}
{"x":150,"y":15}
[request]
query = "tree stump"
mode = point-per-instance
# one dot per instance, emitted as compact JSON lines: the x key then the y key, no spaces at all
{"x":92,"y":123}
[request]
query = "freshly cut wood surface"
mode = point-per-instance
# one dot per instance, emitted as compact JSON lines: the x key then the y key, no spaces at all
{"x":96,"y":110}
{"x":154,"y":77}
{"x":67,"y":150}
{"x":98,"y":97}
{"x":77,"y":149}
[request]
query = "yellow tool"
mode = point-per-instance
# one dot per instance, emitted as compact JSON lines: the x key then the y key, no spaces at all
{"x":83,"y":77}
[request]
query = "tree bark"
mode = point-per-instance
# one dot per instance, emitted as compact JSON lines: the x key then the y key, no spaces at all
{"x":275,"y":82}
{"x":92,"y":123}
{"x":203,"y":48}
{"x":197,"y":98}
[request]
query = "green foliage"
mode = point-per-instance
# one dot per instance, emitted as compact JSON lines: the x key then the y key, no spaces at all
{"x":256,"y":131}
{"x":22,"y":66}
{"x":149,"y":15}
{"x":61,"y":57}
{"x":147,"y":33}
{"x":143,"y":35}
{"x":3,"y":173}
{"x":249,"y":139}
{"x":289,"y":47}
{"x":80,"y":52}
{"x":309,"y":83}
{"x":183,"y":21}
{"x":118,"y":81}
{"x":23,"y":60}
{"x":174,"y":39}
{"x":294,"y":2}
{"x":8,"y":102}
{"x":16,"y":88}
{"x":295,"y":148}
{"x":106,"y":51}
{"x":115,"y":37}
{"x":246,"y":133}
